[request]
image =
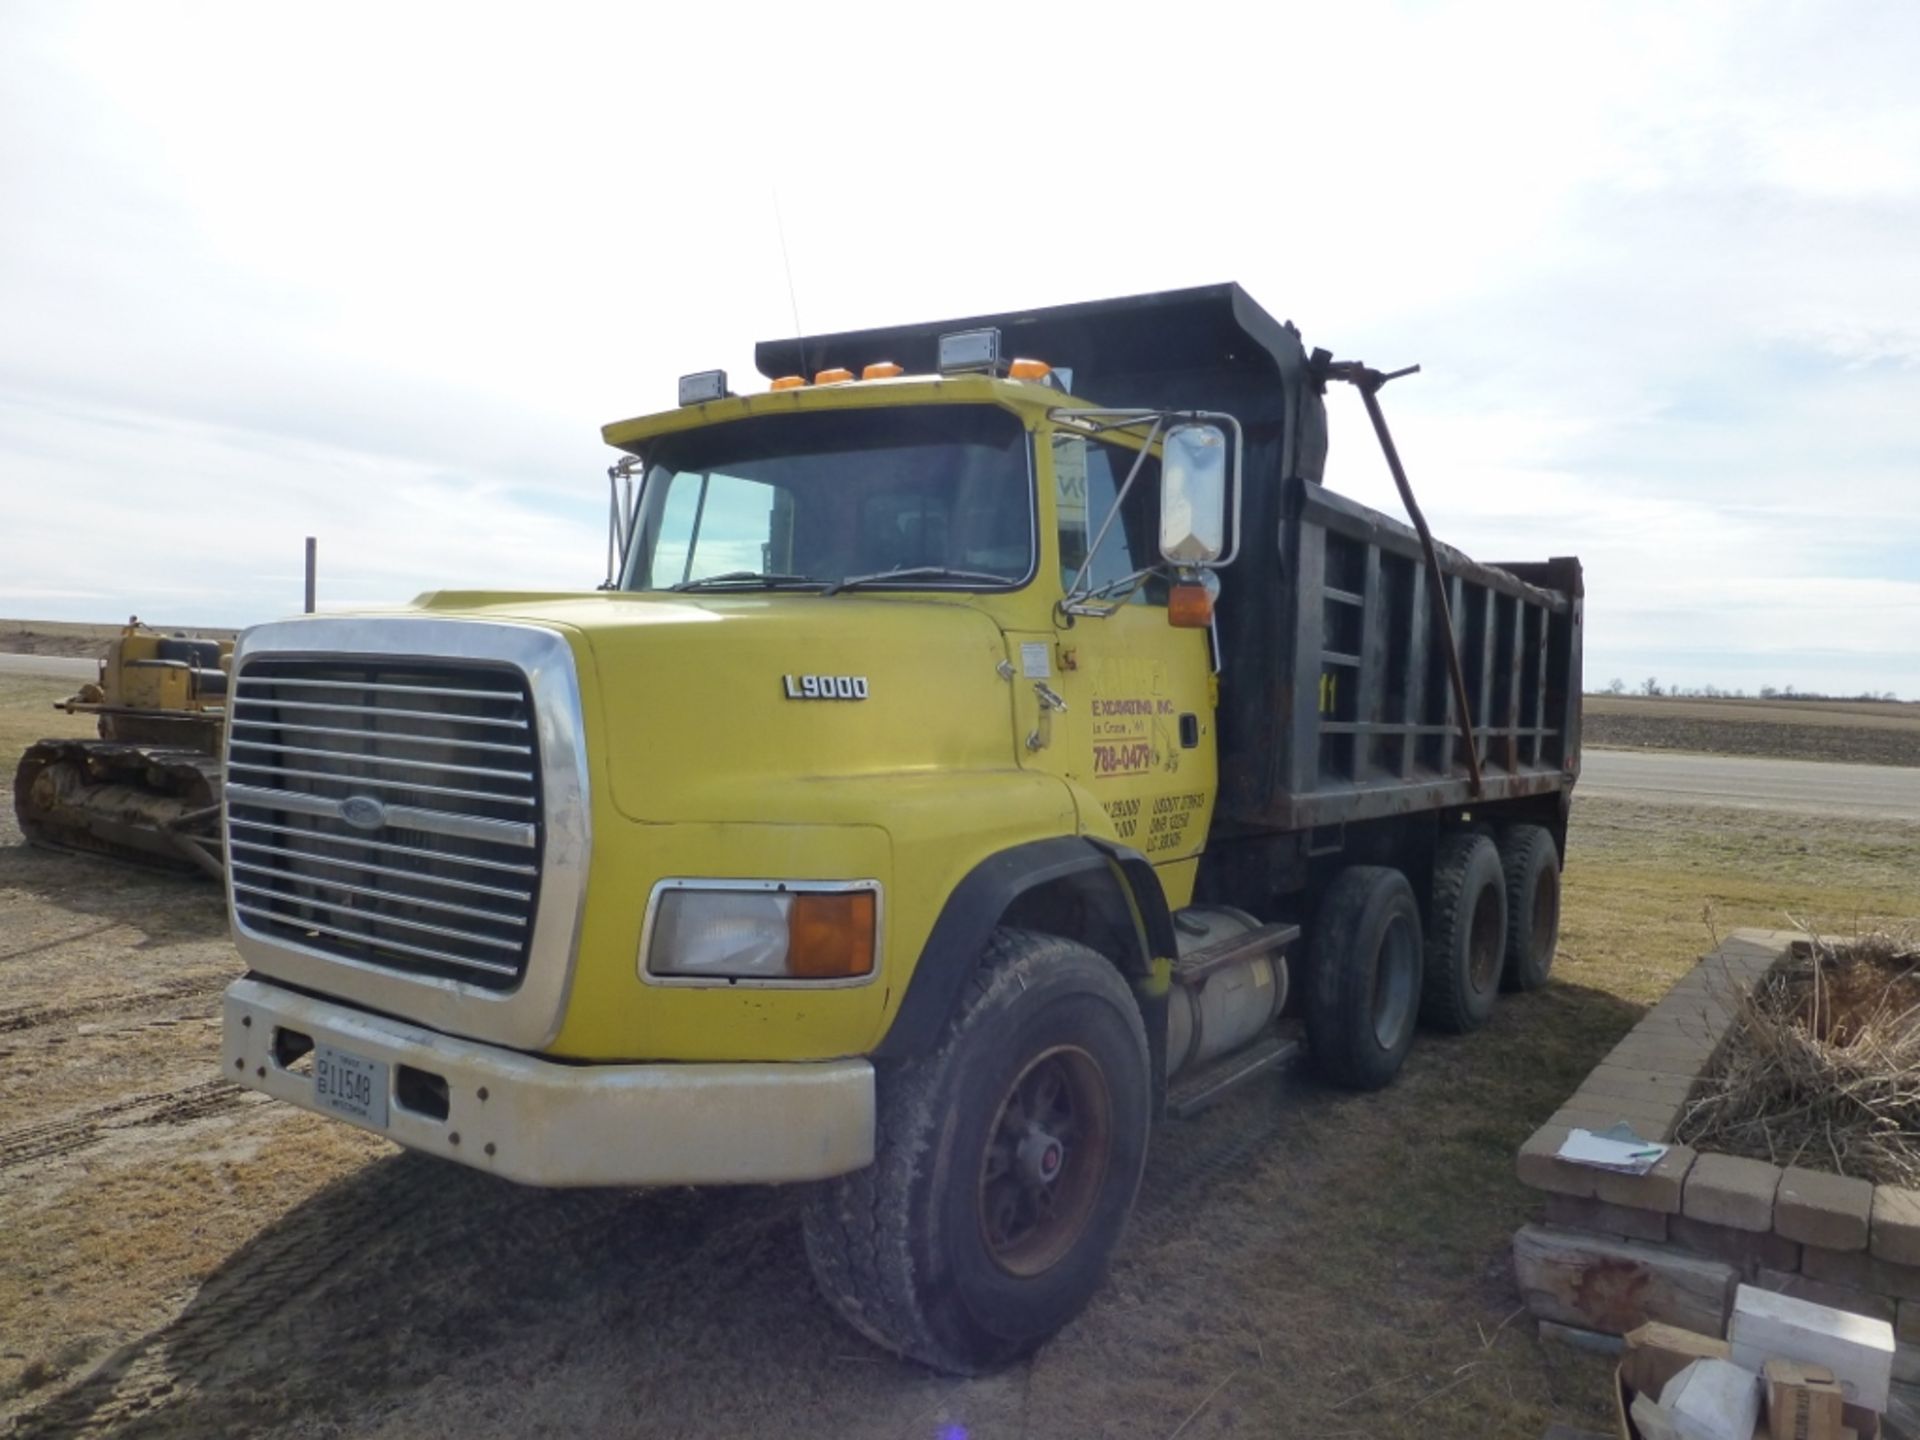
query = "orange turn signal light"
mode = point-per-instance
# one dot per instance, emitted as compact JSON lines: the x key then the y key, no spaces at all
{"x":788,"y":382}
{"x":835,"y":376}
{"x":1029,"y":370}
{"x":830,"y":935}
{"x":1189,"y":607}
{"x":882,"y":370}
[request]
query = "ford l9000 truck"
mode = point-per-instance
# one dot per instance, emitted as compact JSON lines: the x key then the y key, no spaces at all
{"x":992,"y":737}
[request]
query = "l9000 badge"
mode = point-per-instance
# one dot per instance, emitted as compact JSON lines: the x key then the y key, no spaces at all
{"x":825,"y":687}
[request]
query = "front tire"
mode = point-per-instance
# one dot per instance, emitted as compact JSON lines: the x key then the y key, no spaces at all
{"x":1005,"y":1167}
{"x":1363,"y":982}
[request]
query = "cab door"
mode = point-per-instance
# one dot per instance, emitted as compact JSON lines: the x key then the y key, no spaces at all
{"x":1136,"y":739}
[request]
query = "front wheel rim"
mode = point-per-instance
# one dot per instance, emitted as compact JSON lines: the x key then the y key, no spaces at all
{"x":1046,"y":1161}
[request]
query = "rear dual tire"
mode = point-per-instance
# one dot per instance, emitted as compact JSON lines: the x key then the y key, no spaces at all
{"x":1466,"y":952}
{"x":1364,"y":977}
{"x":1531,"y":862}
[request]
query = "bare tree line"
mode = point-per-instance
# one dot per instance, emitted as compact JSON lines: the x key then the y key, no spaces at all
{"x":1652,"y":688}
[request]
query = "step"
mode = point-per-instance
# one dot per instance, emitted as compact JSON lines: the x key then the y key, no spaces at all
{"x":1196,"y":965}
{"x":1191,"y":1093}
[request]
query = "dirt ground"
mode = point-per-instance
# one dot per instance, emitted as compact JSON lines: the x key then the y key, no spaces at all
{"x":1871,"y":732}
{"x":180,"y":1258}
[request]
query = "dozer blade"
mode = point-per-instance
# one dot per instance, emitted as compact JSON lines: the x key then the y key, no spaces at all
{"x":151,"y":805}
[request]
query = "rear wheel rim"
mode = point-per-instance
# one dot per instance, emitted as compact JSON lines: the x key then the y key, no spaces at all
{"x":1395,"y":982}
{"x":1046,"y":1161}
{"x":1483,"y":942}
{"x":1546,"y":916}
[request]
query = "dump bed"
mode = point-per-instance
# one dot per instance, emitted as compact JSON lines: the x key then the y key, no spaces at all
{"x":1335,"y":694}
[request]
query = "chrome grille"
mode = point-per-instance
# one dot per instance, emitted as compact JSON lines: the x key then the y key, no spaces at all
{"x":387,"y":811}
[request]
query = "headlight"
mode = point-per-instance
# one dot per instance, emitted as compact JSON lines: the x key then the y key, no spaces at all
{"x":773,"y":933}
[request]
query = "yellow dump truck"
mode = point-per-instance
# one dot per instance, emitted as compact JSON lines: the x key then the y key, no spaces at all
{"x":991,"y":738}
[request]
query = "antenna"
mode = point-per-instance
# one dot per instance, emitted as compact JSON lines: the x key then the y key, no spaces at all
{"x":786,"y":261}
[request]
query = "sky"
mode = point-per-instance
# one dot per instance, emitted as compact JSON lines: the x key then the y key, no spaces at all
{"x":378,"y":273}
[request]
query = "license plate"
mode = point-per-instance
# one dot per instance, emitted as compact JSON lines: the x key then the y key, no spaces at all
{"x":350,"y":1085}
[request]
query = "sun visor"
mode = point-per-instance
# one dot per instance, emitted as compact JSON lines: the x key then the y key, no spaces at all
{"x":1208,"y":346}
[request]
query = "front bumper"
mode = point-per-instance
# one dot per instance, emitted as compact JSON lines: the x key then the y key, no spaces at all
{"x":543,"y":1122}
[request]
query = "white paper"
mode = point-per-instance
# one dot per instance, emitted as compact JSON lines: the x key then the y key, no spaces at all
{"x":1713,"y":1400}
{"x":1653,"y":1422}
{"x":1629,"y":1156}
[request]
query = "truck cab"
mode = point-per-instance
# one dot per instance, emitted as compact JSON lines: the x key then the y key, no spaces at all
{"x":928,"y":800}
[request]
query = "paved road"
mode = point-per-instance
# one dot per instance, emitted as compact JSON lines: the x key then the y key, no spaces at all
{"x":1806,"y":787}
{"x":62,"y":667}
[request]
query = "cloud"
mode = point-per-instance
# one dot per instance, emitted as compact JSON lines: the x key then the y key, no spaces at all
{"x":1655,"y":260}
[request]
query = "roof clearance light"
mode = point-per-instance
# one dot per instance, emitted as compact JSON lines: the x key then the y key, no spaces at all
{"x":835,"y":376}
{"x":788,"y":382}
{"x":1029,"y":370}
{"x":882,"y":370}
{"x":970,"y":352}
{"x":706,"y":385}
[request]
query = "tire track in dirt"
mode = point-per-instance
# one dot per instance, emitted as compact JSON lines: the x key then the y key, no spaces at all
{"x":451,"y":1251}
{"x":457,"y":1259}
{"x":30,"y":1017}
{"x":40,"y":947}
{"x":1186,"y":1158}
{"x":51,"y":1138}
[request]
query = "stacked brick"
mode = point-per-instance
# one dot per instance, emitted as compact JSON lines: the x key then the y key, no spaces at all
{"x":1613,"y":1250}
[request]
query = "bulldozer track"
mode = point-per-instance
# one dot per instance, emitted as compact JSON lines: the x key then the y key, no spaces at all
{"x":52,"y":1138}
{"x":118,"y":799}
{"x":29,"y":1017}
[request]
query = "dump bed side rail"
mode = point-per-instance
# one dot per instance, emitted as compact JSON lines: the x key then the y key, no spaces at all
{"x":1379,"y":734}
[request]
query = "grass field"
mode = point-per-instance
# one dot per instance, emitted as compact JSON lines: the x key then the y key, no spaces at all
{"x":1304,"y":1262}
{"x":55,"y":637}
{"x":1871,"y":732}
{"x":27,"y":715}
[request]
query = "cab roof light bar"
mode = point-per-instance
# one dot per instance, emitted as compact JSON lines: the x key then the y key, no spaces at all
{"x":702,"y":386}
{"x":971,"y":352}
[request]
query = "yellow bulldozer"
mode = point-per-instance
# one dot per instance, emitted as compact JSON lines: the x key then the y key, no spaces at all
{"x":148,"y":790}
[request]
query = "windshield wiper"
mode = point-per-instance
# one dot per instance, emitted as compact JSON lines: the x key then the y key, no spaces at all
{"x":914,"y":572}
{"x":766,"y":580}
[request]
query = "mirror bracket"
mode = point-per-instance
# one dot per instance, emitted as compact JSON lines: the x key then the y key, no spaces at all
{"x":1147,"y":426}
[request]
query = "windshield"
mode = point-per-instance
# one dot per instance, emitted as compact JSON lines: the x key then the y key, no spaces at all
{"x":828,"y":496}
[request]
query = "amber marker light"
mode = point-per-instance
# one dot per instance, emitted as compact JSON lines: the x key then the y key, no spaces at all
{"x":836,"y":376}
{"x":788,"y":382}
{"x":830,"y":935}
{"x":882,"y":370}
{"x":1189,"y":607}
{"x":1029,"y":370}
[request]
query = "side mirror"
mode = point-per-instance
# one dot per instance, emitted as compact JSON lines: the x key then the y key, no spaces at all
{"x":1194,"y":463}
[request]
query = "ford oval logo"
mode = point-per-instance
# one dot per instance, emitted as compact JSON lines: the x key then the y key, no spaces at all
{"x":363,"y":812}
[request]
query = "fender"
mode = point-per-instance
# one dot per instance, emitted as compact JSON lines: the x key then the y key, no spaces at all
{"x":988,"y":891}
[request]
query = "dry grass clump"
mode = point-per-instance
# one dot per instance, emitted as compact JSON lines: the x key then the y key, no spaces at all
{"x":1821,"y":1066}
